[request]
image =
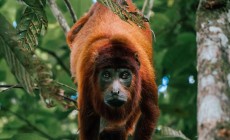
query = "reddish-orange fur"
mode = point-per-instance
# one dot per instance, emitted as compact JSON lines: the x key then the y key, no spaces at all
{"x":100,"y":29}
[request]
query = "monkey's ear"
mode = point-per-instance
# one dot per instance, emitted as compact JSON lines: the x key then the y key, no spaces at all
{"x":137,"y":59}
{"x":75,"y":29}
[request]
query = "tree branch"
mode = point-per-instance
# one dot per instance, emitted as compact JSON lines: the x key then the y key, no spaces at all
{"x":144,"y":5}
{"x":59,"y":16}
{"x":150,"y":8}
{"x":72,"y":13}
{"x":28,"y":123}
{"x":67,"y":86}
{"x":12,"y":86}
{"x":36,"y":88}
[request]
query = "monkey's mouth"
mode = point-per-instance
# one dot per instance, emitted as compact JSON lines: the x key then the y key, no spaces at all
{"x":115,"y":101}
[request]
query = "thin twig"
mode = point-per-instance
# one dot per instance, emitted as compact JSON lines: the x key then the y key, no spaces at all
{"x":150,"y":8}
{"x":36,"y":88}
{"x":28,"y":123}
{"x":67,"y":98}
{"x":67,"y":86}
{"x":12,"y":86}
{"x":144,"y":5}
{"x":58,"y":60}
{"x":8,"y":88}
{"x":72,"y":13}
{"x":59,"y":16}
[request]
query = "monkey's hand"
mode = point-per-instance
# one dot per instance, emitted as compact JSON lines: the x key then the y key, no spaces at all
{"x":113,"y":133}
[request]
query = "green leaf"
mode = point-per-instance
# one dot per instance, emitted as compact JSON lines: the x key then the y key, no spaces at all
{"x":17,"y":68}
{"x":186,"y":38}
{"x":31,"y":25}
{"x":36,"y":3}
{"x":12,"y":57}
{"x":25,"y":65}
{"x":2,"y":2}
{"x":29,"y":30}
{"x":167,"y":132}
{"x":2,"y":75}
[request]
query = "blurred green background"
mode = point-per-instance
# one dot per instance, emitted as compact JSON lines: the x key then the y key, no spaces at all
{"x":173,"y":23}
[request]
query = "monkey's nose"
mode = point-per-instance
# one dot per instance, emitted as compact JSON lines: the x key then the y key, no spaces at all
{"x":115,"y":92}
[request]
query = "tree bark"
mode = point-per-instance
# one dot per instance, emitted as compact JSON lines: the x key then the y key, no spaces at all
{"x":213,"y":60}
{"x":59,"y":16}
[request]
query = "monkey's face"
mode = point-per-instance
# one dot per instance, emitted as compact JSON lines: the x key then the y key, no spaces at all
{"x":115,"y":85}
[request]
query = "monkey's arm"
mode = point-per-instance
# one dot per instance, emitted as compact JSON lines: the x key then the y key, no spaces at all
{"x":150,"y":112}
{"x":89,"y":121}
{"x":89,"y":124}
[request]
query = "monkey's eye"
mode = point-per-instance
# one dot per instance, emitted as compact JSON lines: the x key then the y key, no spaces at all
{"x":124,"y":75}
{"x":106,"y":75}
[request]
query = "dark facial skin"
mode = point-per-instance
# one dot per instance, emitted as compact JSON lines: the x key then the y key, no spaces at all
{"x":115,"y":84}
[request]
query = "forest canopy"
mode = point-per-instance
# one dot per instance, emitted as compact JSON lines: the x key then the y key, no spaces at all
{"x":24,"y":116}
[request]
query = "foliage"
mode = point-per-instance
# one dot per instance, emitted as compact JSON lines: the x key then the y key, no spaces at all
{"x":126,"y":16}
{"x":23,"y":116}
{"x":19,"y":53}
{"x":175,"y":58}
{"x":30,"y":25}
{"x":12,"y":55}
{"x":166,"y":132}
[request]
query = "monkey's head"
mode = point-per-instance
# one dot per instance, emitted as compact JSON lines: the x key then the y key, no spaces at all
{"x":115,"y":84}
{"x":117,"y":79}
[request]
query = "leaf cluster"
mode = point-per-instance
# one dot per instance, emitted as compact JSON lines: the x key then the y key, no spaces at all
{"x":19,"y":50}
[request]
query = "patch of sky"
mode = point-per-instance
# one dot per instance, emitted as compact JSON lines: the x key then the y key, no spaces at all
{"x":74,"y":96}
{"x":191,"y":79}
{"x":15,"y":24}
{"x":164,"y":84}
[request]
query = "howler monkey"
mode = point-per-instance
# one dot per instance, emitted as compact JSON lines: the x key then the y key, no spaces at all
{"x":112,"y":63}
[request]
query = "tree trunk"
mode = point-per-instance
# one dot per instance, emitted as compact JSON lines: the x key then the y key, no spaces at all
{"x":213,"y":42}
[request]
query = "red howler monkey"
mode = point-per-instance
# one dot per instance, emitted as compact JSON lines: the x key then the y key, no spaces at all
{"x":112,"y":63}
